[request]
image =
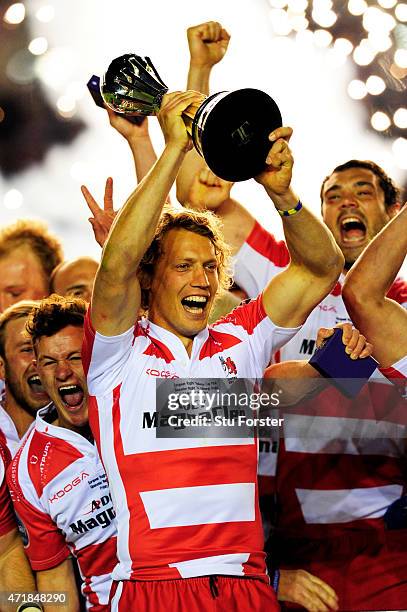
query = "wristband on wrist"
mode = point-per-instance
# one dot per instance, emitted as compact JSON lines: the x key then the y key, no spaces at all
{"x":290,"y":211}
{"x":276,"y":580}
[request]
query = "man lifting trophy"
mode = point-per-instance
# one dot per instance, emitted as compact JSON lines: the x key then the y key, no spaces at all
{"x":229,"y":129}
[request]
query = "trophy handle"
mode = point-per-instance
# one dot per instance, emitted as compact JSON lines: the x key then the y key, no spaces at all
{"x":189,"y":113}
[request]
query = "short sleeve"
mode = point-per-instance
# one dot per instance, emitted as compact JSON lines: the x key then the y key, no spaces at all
{"x":251,"y":323}
{"x":104,"y":357}
{"x":43,"y":541}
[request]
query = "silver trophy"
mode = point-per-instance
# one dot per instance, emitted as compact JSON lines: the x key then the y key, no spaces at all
{"x":229,"y":129}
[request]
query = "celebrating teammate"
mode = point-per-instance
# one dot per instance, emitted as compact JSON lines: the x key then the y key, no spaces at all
{"x":187,"y":520}
{"x":24,"y":394}
{"x":57,"y":482}
{"x":28,"y":254}
{"x":365,"y":294}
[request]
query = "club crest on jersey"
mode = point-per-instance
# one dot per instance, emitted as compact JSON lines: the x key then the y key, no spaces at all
{"x":229,"y":366}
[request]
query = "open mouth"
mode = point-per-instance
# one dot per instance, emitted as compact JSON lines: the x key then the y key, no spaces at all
{"x":35,"y":385}
{"x":195,"y":304}
{"x":72,"y":396}
{"x":353,"y":230}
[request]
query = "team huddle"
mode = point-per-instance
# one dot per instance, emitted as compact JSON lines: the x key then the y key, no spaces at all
{"x":97,"y":506}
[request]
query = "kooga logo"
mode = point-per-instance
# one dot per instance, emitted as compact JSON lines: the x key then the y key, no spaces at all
{"x":68,"y":487}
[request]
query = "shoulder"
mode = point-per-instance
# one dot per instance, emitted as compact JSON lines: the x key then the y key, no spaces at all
{"x":39,"y":460}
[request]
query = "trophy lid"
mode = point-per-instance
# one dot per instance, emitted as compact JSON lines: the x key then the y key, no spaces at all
{"x":232,"y":131}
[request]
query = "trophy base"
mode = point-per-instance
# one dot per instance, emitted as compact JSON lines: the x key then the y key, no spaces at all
{"x":231,"y":129}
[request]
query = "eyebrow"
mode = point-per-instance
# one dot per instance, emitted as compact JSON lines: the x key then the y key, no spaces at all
{"x":357,"y":184}
{"x":24,"y":343}
{"x":82,"y":286}
{"x":192,"y":259}
{"x":41,"y":357}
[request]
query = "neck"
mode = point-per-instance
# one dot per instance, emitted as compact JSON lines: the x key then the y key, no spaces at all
{"x":20,"y":417}
{"x":84,"y":431}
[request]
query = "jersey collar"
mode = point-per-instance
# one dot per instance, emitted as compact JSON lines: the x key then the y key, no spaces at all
{"x":62,"y":433}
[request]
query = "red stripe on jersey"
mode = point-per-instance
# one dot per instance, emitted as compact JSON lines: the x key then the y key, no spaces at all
{"x":266,"y":244}
{"x":248,"y":315}
{"x":47,"y":458}
{"x":3,"y":441}
{"x":217,"y":342}
{"x":91,"y":596}
{"x":398,"y":291}
{"x":7,"y":519}
{"x":337,"y":290}
{"x":97,"y":559}
{"x":392,"y":373}
{"x":156,"y":348}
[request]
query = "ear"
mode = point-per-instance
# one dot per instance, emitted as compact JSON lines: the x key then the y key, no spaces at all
{"x":393,"y":210}
{"x":2,"y":369}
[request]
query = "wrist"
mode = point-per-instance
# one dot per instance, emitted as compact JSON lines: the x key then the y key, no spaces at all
{"x":136,"y":138}
{"x":201,"y":66}
{"x":284,"y":201}
{"x":176,"y":149}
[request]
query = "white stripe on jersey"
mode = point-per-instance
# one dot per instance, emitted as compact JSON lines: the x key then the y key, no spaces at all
{"x":219,"y":564}
{"x":114,"y":604}
{"x":225,"y":503}
{"x":347,"y":436}
{"x":346,"y":505}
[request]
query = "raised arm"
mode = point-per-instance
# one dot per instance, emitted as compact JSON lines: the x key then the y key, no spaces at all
{"x":380,"y":319}
{"x":144,"y":156}
{"x":208,"y":43}
{"x":316,"y":260}
{"x":139,"y":141}
{"x":116,"y":296}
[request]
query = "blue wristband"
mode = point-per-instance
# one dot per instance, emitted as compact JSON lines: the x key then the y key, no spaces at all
{"x":276,"y":580}
{"x":290,"y":211}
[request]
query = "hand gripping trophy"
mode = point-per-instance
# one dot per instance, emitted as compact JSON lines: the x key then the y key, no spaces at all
{"x":229,"y":129}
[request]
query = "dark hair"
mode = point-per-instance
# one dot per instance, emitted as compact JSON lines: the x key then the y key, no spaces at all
{"x":204,"y":223}
{"x":53,"y":313}
{"x":19,"y":310}
{"x":26,"y":232}
{"x":392,"y":194}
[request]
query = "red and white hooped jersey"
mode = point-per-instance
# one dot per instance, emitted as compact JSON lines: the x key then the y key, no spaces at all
{"x":61,"y":497}
{"x":185,"y":506}
{"x":341,"y":462}
{"x":325,"y":478}
{"x":261,"y":257}
{"x":7,"y":518}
